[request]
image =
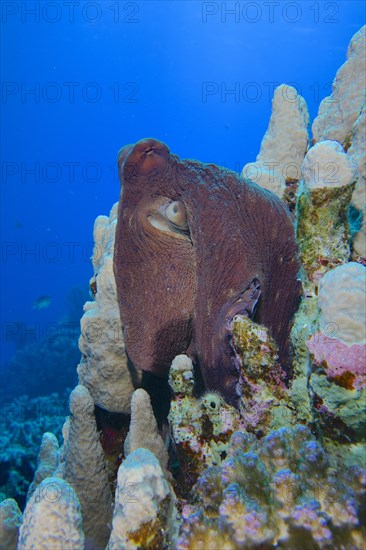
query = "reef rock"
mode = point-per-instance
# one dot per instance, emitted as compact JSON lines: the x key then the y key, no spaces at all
{"x":201,"y":428}
{"x":264,"y":404}
{"x":322,"y":209}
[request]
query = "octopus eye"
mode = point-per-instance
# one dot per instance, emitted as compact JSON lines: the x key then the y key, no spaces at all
{"x":169,"y":216}
{"x":176,"y":214}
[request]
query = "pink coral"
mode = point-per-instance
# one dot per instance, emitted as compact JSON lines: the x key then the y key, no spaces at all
{"x":344,"y":364}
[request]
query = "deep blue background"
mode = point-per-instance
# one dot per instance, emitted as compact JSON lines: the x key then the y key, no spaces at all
{"x":159,"y":54}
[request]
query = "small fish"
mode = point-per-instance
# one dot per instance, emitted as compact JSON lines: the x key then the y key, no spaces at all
{"x":42,"y":302}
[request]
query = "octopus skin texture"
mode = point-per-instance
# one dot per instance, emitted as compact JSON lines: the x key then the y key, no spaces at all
{"x":196,"y":244}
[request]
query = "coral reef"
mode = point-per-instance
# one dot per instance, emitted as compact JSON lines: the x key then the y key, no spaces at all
{"x":40,"y":345}
{"x":58,"y":349}
{"x":265,"y":403}
{"x":341,"y":117}
{"x":22,"y":424}
{"x":47,"y":463}
{"x":284,"y":468}
{"x":201,"y":428}
{"x":357,"y":154}
{"x":338,"y":362}
{"x":338,"y":112}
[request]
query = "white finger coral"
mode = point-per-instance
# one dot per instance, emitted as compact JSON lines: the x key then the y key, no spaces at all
{"x":10,"y":521}
{"x":342,"y":302}
{"x":144,"y":430}
{"x":327,"y":165}
{"x":103,"y":368}
{"x":144,"y":513}
{"x":339,"y":111}
{"x":284,"y":145}
{"x":48,"y":461}
{"x":52,"y":518}
{"x":85,"y":469}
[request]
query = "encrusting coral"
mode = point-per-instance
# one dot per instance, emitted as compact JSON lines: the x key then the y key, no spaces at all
{"x":337,"y":381}
{"x":201,"y":428}
{"x":284,"y":468}
{"x":265,"y":403}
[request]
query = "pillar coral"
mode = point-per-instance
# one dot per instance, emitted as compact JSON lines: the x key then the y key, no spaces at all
{"x":278,"y":164}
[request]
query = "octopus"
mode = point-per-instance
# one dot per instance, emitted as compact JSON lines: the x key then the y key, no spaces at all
{"x":196,"y":245}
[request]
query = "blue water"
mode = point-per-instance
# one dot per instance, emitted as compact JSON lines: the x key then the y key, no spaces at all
{"x":81,"y":79}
